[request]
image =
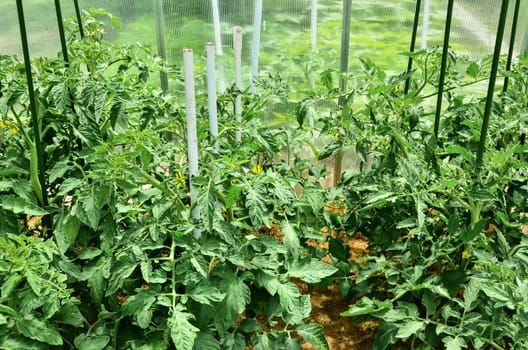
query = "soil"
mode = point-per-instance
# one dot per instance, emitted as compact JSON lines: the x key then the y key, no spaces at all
{"x":327,"y":305}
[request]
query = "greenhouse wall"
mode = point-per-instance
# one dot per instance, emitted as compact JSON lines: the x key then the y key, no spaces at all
{"x":380,"y":30}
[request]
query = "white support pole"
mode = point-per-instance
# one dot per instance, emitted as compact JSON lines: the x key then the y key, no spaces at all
{"x":192,"y":138}
{"x":237,"y":43}
{"x":211,"y":93}
{"x":255,"y":53}
{"x":524,"y":43}
{"x":313,"y":25}
{"x":218,"y":43}
{"x":425,"y":23}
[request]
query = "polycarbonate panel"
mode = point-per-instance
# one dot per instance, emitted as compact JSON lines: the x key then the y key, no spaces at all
{"x":380,"y":29}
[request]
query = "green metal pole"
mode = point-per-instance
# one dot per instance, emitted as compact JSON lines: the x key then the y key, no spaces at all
{"x":62,"y":36}
{"x":32,"y":103}
{"x":491,"y":86}
{"x":512,"y":42}
{"x":443,"y":67}
{"x":160,"y":38}
{"x":413,"y":44}
{"x":79,"y":18}
{"x":343,"y":67}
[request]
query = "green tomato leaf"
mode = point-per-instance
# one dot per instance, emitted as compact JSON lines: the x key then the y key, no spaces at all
{"x":206,"y":340}
{"x":292,"y":344}
{"x":455,"y":343}
{"x":68,"y":185}
{"x":183,"y":333}
{"x":238,"y":295}
{"x":232,"y":195}
{"x":256,"y":203}
{"x":66,"y":231}
{"x":473,"y":70}
{"x":20,"y":205}
{"x":366,"y":306}
{"x":69,"y":314}
{"x":409,"y":328}
{"x":59,"y":169}
{"x":291,"y":239}
{"x":269,"y":281}
{"x":313,"y":333}
{"x":143,"y":300}
{"x":20,"y":343}
{"x":85,"y":342}
{"x":311,"y":271}
{"x":9,"y":284}
{"x":293,"y":303}
{"x":39,"y":330}
{"x":206,"y":294}
{"x":386,"y":336}
{"x":91,"y":211}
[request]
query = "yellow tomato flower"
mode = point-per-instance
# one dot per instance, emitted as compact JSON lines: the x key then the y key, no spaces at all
{"x":466,"y":255}
{"x":180,"y":180}
{"x":256,"y":169}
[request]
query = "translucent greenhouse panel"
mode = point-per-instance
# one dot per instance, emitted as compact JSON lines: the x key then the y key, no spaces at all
{"x":380,"y":29}
{"x":475,"y":27}
{"x":41,"y":25}
{"x":137,"y":19}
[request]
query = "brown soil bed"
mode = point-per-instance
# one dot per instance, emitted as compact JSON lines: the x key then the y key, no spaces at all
{"x":340,"y":332}
{"x":327,"y":305}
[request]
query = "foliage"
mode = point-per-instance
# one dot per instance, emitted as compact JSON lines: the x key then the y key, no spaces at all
{"x":118,"y":262}
{"x":447,"y":263}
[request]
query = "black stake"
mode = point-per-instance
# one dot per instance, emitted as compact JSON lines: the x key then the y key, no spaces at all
{"x":32,"y":103}
{"x":413,"y":44}
{"x":443,"y":67}
{"x":79,"y":18}
{"x":61,"y":32}
{"x":491,"y":86}
{"x":512,"y":43}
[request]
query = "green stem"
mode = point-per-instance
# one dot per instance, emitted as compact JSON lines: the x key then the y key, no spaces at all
{"x":455,"y":87}
{"x":475,"y":208}
{"x":173,"y":275}
{"x":159,"y":185}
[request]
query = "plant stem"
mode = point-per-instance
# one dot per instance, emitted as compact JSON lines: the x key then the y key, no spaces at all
{"x":173,"y":274}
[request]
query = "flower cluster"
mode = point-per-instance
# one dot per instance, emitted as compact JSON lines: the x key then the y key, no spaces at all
{"x":8,"y":125}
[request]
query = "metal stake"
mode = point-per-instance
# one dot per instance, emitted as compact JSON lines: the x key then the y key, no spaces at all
{"x":491,"y":86}
{"x":512,"y":43}
{"x":443,"y":67}
{"x":413,"y":44}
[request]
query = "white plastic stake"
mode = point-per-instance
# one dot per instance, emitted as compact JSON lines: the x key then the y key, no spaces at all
{"x":255,"y":53}
{"x":218,"y":42}
{"x":313,"y":25}
{"x":425,"y":23}
{"x":192,"y":138}
{"x":237,"y":43}
{"x":211,"y":92}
